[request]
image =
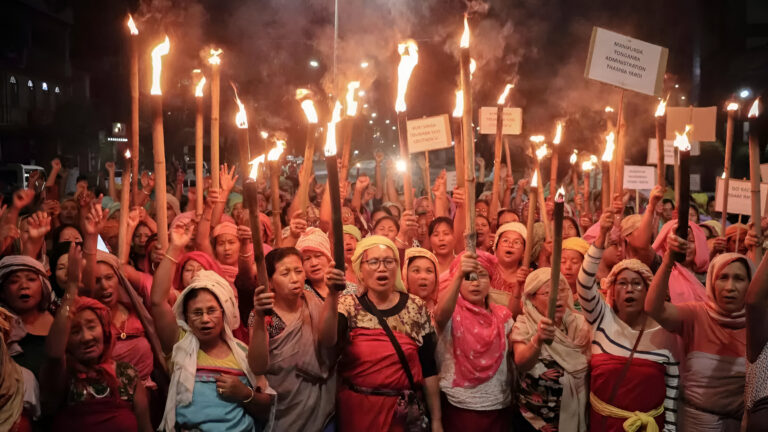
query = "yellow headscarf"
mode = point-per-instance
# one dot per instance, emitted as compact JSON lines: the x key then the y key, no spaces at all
{"x":411,"y":253}
{"x":576,"y":244}
{"x":368,"y":243}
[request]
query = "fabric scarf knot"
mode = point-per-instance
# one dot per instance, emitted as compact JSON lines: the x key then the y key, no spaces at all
{"x":478,"y":342}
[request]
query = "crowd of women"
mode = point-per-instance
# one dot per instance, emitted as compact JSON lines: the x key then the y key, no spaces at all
{"x":651,"y":331}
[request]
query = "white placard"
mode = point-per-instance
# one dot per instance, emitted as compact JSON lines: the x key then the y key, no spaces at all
{"x":513,"y":121}
{"x":739,"y":196}
{"x":669,"y":151}
{"x":450,"y":180}
{"x":695,"y":183}
{"x":639,"y":177}
{"x":429,"y":133}
{"x":626,"y":62}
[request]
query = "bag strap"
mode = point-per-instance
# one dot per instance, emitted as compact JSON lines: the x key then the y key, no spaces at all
{"x":371,"y":309}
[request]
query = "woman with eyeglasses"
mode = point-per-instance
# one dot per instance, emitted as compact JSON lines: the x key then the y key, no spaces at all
{"x":212,"y":386}
{"x":509,"y":278}
{"x":387,"y":368}
{"x":713,"y":334}
{"x":634,"y":368}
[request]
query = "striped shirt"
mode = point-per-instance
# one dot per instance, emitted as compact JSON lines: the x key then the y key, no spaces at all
{"x":612,"y":336}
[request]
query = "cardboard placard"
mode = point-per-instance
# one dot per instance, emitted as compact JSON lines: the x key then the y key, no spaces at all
{"x":703,"y":120}
{"x":695,"y":183}
{"x":639,"y":177}
{"x":764,"y":172}
{"x":513,"y":121}
{"x":739,"y":196}
{"x":669,"y":151}
{"x":626,"y":62}
{"x":450,"y":180}
{"x":429,"y":133}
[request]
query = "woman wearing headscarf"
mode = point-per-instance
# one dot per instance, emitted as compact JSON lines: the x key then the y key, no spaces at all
{"x":19,"y":392}
{"x":757,"y":351}
{"x":687,"y":276}
{"x":352,"y":235}
{"x":285,"y":346}
{"x":85,"y":388}
{"x":553,"y":391}
{"x":316,"y":250}
{"x":212,"y":386}
{"x":383,"y":384}
{"x":26,"y":293}
{"x":420,"y":275}
{"x":573,"y":252}
{"x":634,"y":376}
{"x":509,"y":276}
{"x":472,"y":350}
{"x":735,"y":235}
{"x":713,"y":339}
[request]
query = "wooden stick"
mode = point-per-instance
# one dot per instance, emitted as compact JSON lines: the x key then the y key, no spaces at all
{"x":494,"y":208}
{"x":215,"y":101}
{"x":533,"y":195}
{"x":470,"y":234}
{"x":427,"y":179}
{"x":274,"y":170}
{"x":134,"y":77}
{"x":125,"y":207}
{"x":199,"y":180}
{"x":402,"y":135}
{"x":660,"y":174}
{"x":158,"y":146}
{"x":306,"y":171}
{"x":619,"y":154}
{"x":458,"y":150}
{"x":754,"y":180}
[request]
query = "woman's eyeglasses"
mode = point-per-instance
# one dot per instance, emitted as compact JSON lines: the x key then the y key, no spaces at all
{"x":374,"y":263}
{"x":198,"y":314}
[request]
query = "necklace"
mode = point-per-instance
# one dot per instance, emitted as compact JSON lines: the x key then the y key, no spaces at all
{"x":92,"y":391}
{"x":121,"y":328}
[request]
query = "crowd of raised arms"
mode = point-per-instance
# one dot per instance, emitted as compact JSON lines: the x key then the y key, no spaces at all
{"x":415,"y":335}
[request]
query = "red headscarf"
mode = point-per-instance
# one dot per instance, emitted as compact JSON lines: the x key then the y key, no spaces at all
{"x":205,"y":260}
{"x":683,"y":285}
{"x":104,"y":368}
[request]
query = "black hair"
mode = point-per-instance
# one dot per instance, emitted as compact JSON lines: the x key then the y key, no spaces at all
{"x":59,"y":250}
{"x":668,"y":201}
{"x":484,"y":201}
{"x":193,"y":294}
{"x":504,"y":211}
{"x":382,"y":209}
{"x":389,"y":218}
{"x":277,"y":255}
{"x":57,"y":232}
{"x":81,"y":177}
{"x":481,"y":216}
{"x":437,"y":221}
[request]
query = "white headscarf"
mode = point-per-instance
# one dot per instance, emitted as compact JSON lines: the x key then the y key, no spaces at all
{"x":184,"y":356}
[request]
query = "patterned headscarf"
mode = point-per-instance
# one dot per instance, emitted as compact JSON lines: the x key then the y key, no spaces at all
{"x":13,"y":263}
{"x":718,"y":264}
{"x":102,"y":369}
{"x":314,"y":239}
{"x":609,"y":282}
{"x":412,"y":253}
{"x":371,"y":242}
{"x":510,"y":226}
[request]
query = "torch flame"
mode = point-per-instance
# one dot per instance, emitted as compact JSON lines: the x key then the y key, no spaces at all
{"x":472,"y":68}
{"x":733,"y":106}
{"x":541,"y":152}
{"x":609,"y":109}
{"x":560,"y":194}
{"x":662,"y":108}
{"x":351,"y":103}
{"x":255,"y":170}
{"x":593,"y":159}
{"x":558,"y":133}
{"x":264,"y":134}
{"x":132,"y":25}
{"x":409,"y":58}
{"x":610,"y":145}
{"x":199,"y":88}
{"x":400,"y":165}
{"x":538,"y":139}
{"x":587,"y":166}
{"x":574,"y":157}
{"x":301,"y":93}
{"x":755,"y":110}
{"x":275,"y":153}
{"x":330,"y":133}
{"x":309,"y":110}
{"x":157,"y":65}
{"x":465,"y":36}
{"x":241,"y":118}
{"x":127,"y":153}
{"x":535,"y":179}
{"x":458,"y":109}
{"x":681,"y":140}
{"x":723,"y":176}
{"x":503,"y":98}
{"x":214,"y":59}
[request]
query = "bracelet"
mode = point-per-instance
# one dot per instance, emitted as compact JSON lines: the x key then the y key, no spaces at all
{"x":146,"y":193}
{"x":253,"y":393}
{"x":171,"y":258}
{"x":246,"y":255}
{"x":87,"y":252}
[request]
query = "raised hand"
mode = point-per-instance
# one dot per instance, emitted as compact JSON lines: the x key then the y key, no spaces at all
{"x":134,"y":217}
{"x":468,"y":264}
{"x":181,"y":234}
{"x":93,"y":222}
{"x":9,"y":231}
{"x":110,"y":166}
{"x":147,"y":181}
{"x":227,"y":177}
{"x":606,"y":222}
{"x":362,"y":182}
{"x":38,"y":225}
{"x":440,"y":185}
{"x":263,"y":301}
{"x":52,"y":207}
{"x":180,"y":176}
{"x":244,"y":234}
{"x":212,"y":198}
{"x":298,"y":224}
{"x":55,"y":165}
{"x":379,"y":156}
{"x":409,"y":224}
{"x":458,"y":196}
{"x":545,"y":331}
{"x":74,"y":265}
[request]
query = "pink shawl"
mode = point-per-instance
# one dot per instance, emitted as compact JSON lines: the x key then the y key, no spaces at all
{"x":479,"y":339}
{"x":683,"y":285}
{"x":731,"y":320}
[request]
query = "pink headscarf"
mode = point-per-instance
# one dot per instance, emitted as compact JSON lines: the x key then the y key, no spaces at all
{"x":478,"y":333}
{"x":735,"y":320}
{"x":683,"y":285}
{"x":205,"y":260}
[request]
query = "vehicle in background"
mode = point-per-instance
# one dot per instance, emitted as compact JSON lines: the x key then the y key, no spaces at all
{"x":15,"y":176}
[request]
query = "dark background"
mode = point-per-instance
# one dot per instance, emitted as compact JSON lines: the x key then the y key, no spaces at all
{"x":80,"y":47}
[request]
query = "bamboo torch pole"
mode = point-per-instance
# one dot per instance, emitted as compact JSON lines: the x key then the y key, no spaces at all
{"x":134,"y":84}
{"x":754,"y":176}
{"x":215,"y":61}
{"x":731,"y":109}
{"x":158,"y":143}
{"x":409,"y":58}
{"x":309,"y":150}
{"x":497,"y":149}
{"x":199,"y":180}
